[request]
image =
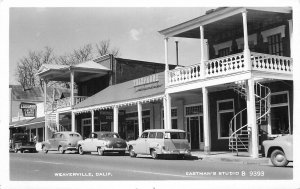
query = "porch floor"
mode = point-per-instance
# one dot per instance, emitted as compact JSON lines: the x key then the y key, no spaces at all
{"x":228,"y":156}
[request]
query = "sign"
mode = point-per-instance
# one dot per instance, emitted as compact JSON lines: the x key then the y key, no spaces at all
{"x":145,"y":80}
{"x":28,"y":109}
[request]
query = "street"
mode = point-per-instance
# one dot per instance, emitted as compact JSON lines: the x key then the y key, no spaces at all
{"x":73,"y":167}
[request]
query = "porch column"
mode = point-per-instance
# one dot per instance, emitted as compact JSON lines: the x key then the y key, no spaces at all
{"x":166,"y":62}
{"x":247,"y":61}
{"x":251,"y":117}
{"x":36,"y":135}
{"x":72,"y":87}
{"x":116,"y":119}
{"x":291,"y":37}
{"x":73,"y":121}
{"x":168,"y":112}
{"x":93,"y":120}
{"x":176,"y":45}
{"x":45,"y":109}
{"x":206,"y":127}
{"x":202,"y":63}
{"x":57,"y":121}
{"x":165,"y":112}
{"x":140,"y":117}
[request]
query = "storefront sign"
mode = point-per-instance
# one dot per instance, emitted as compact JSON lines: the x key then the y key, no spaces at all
{"x":28,"y":109}
{"x":146,"y":80}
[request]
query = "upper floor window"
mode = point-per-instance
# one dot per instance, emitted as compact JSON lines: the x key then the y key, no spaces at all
{"x":275,"y":44}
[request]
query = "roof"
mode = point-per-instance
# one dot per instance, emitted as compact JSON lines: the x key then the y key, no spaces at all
{"x":36,"y":94}
{"x":29,"y":122}
{"x":91,"y":65}
{"x":124,"y":92}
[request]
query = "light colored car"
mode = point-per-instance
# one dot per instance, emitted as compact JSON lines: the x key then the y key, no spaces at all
{"x":62,"y":141}
{"x":102,"y":142}
{"x":157,"y":142}
{"x":280,"y":150}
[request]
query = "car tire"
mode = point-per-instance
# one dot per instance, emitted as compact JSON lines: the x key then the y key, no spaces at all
{"x":278,"y":158}
{"x":61,"y":150}
{"x":122,"y":153}
{"x":80,"y":150}
{"x":131,"y":152}
{"x":44,"y":149}
{"x":100,"y":152}
{"x":154,"y":154}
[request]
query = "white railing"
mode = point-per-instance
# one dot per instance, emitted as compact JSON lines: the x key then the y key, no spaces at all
{"x":64,"y":102}
{"x":225,"y":65}
{"x":271,"y":63}
{"x":231,"y":64}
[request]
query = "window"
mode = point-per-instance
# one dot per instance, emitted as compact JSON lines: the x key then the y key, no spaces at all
{"x":275,"y":44}
{"x":224,"y":52}
{"x":160,"y":135}
{"x":280,"y":122}
{"x":152,"y":135}
{"x":225,"y":110}
{"x":144,"y":135}
{"x":173,"y":118}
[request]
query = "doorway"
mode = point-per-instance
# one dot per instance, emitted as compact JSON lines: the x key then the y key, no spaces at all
{"x":195,"y":132}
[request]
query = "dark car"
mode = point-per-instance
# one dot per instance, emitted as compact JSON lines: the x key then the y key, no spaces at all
{"x":20,"y":142}
{"x":102,"y":142}
{"x":62,"y":141}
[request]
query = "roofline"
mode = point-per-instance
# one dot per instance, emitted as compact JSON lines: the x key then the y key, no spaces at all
{"x":215,"y":16}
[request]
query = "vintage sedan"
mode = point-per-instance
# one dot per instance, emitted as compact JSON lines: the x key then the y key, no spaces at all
{"x":20,"y":143}
{"x":280,"y":150}
{"x":102,"y":142}
{"x":62,"y":141}
{"x":158,"y":142}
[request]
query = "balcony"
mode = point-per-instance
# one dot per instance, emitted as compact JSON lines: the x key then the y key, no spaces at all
{"x":231,"y":64}
{"x":64,"y":103}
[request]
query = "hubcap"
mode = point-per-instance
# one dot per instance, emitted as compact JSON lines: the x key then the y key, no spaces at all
{"x":279,"y":158}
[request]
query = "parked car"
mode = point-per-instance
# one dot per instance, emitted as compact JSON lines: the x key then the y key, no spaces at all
{"x":102,"y":142}
{"x":20,"y":143}
{"x":280,"y":150}
{"x":62,"y":141}
{"x":157,"y":142}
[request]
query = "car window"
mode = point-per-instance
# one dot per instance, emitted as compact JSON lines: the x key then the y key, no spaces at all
{"x":174,"y":135}
{"x":160,"y":135}
{"x":144,"y":135}
{"x":152,"y":135}
{"x":74,"y":135}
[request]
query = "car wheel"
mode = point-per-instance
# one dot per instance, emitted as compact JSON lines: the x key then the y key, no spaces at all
{"x":180,"y":156}
{"x":100,"y":152}
{"x":278,"y":158}
{"x":122,"y":153}
{"x":154,"y":154}
{"x":80,"y":150}
{"x":131,"y":152}
{"x":44,"y":149}
{"x":61,"y":150}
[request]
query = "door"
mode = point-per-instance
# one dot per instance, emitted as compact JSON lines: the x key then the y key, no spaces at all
{"x":195,"y":130}
{"x":86,"y":131}
{"x":140,"y":144}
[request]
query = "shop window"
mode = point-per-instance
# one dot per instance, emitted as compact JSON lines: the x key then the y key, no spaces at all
{"x":275,"y":44}
{"x":225,"y":110}
{"x":280,"y":115}
{"x":173,"y":118}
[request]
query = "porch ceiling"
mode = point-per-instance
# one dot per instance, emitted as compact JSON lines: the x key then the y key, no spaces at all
{"x":225,"y":19}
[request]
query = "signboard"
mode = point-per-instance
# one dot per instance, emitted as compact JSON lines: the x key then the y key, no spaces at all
{"x":28,"y":109}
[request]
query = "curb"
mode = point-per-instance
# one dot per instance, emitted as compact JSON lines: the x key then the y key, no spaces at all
{"x":235,"y":160}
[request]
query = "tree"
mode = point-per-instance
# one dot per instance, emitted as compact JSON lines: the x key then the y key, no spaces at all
{"x":29,"y":65}
{"x":103,"y":48}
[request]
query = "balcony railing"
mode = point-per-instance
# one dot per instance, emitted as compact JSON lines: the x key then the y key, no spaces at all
{"x":65,"y":102}
{"x":231,"y":64}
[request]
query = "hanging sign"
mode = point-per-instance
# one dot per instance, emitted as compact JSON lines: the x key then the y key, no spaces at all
{"x":28,"y":109}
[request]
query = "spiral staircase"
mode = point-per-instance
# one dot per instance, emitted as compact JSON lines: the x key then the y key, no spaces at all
{"x":239,"y":134}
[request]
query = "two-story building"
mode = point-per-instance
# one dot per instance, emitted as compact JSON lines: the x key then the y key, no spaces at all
{"x":242,"y":89}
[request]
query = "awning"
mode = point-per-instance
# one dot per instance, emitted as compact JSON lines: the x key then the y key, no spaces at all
{"x":145,"y":89}
{"x":29,"y":123}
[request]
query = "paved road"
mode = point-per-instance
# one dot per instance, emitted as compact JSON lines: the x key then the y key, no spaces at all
{"x":55,"y":167}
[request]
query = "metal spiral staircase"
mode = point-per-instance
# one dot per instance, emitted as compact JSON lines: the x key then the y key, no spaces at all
{"x":238,"y":132}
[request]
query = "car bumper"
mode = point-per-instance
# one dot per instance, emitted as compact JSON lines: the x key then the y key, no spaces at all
{"x":114,"y":149}
{"x":177,"y":152}
{"x":71,"y":148}
{"x":29,"y":148}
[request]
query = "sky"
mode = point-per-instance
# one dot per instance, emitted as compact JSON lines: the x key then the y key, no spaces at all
{"x":133,"y":30}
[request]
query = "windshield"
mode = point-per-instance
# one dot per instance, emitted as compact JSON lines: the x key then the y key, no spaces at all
{"x":74,"y":135}
{"x":110,"y":135}
{"x":21,"y":138}
{"x":174,"y":135}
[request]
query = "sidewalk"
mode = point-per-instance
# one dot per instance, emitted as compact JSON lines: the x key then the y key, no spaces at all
{"x":226,"y":156}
